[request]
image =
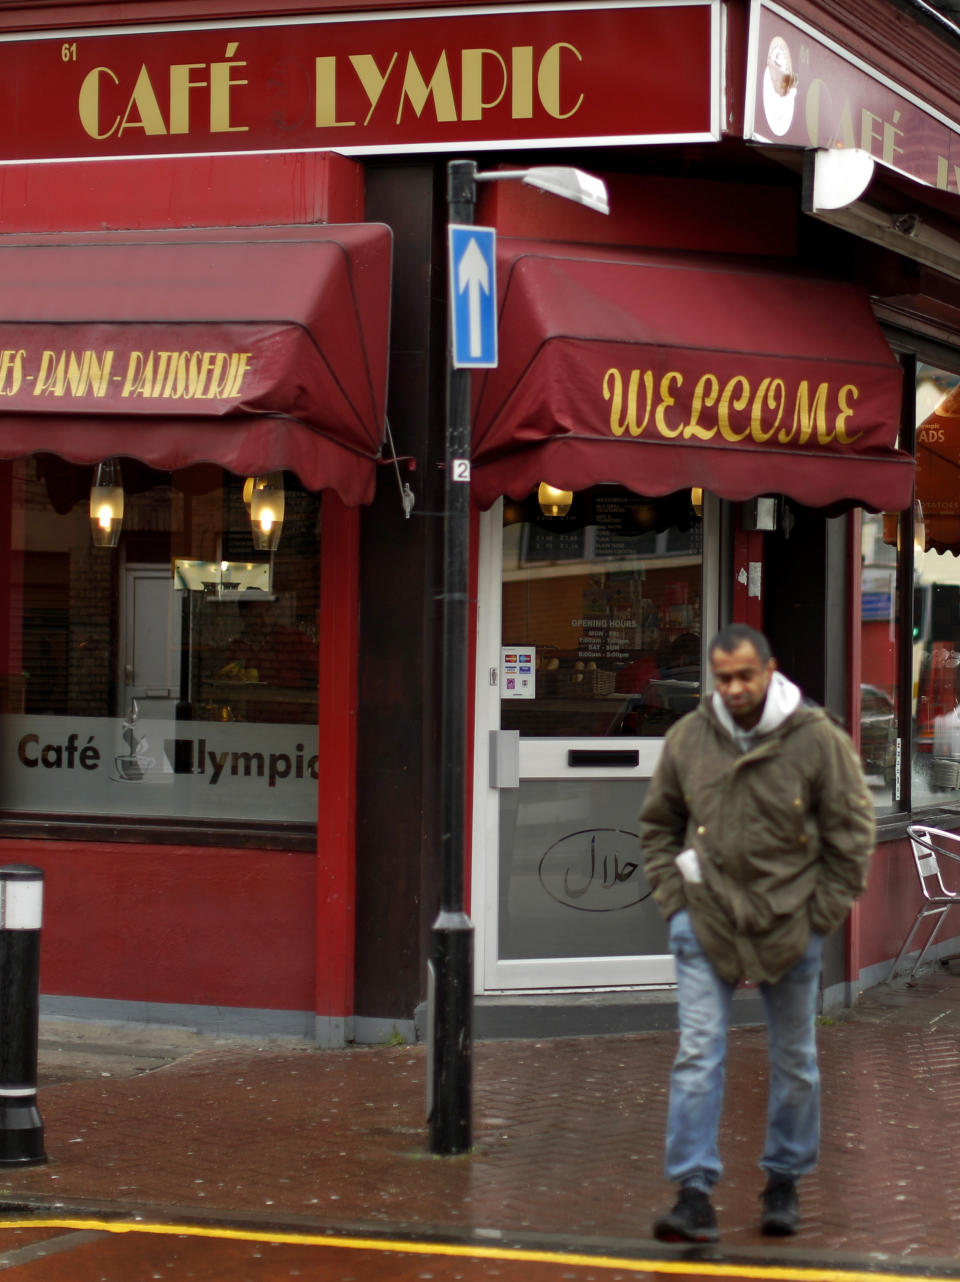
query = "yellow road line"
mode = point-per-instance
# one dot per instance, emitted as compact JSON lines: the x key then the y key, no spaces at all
{"x":507,"y":1254}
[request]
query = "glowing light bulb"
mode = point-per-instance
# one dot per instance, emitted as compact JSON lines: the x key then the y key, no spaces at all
{"x":554,"y":502}
{"x":266,"y":507}
{"x":106,"y":504}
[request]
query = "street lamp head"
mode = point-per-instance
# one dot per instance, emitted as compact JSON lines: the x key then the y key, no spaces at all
{"x":559,"y":180}
{"x":573,"y":184}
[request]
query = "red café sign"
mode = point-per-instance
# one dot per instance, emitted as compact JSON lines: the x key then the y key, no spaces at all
{"x":589,"y":74}
{"x":805,"y":91}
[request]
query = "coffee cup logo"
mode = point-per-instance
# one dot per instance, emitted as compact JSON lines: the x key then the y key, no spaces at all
{"x":779,"y":87}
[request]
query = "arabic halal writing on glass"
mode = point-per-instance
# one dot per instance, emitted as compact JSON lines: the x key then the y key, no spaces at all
{"x":597,"y":870}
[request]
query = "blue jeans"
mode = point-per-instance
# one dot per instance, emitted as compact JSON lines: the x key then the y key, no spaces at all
{"x":697,"y":1078}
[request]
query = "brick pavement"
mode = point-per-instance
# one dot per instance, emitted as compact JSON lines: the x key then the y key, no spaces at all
{"x":568,"y":1136}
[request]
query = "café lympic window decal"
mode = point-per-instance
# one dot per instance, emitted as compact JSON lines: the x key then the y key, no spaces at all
{"x":143,"y":764}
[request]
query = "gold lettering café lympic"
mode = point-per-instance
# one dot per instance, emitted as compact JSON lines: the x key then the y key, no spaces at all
{"x":163,"y":375}
{"x":739,"y":410}
{"x":206,"y":96}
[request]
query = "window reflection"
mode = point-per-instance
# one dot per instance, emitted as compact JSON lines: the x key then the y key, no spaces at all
{"x":934,"y":638}
{"x":936,"y":622}
{"x":608,"y":602}
{"x":184,"y":661}
{"x":878,"y":689}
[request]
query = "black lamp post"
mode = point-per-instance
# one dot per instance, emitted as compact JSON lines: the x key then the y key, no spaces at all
{"x":452,"y":965}
{"x":450,"y":1085}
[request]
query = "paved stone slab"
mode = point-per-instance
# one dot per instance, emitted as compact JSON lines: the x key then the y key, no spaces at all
{"x":568,"y":1134}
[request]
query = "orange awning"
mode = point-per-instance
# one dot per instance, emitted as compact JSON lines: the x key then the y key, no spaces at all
{"x":938,"y":474}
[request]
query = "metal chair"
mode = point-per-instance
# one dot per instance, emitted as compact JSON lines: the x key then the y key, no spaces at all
{"x":930,"y":846}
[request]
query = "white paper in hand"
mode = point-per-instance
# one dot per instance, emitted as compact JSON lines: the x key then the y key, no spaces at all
{"x":688,"y":861}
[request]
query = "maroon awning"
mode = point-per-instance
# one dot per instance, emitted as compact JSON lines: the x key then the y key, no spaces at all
{"x":661,"y":373}
{"x":257,"y":349}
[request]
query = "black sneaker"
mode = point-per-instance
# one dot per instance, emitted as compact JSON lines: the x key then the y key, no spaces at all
{"x":781,"y":1207}
{"x":692,"y":1219}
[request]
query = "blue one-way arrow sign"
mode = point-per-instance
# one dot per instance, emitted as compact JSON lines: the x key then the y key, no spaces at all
{"x":473,"y":296}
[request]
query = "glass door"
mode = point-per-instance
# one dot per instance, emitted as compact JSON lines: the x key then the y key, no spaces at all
{"x":590,"y":644}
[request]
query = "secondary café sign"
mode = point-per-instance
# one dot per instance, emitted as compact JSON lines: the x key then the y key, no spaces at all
{"x":594,"y":74}
{"x":152,"y":766}
{"x":37,"y":379}
{"x":804,"y":91}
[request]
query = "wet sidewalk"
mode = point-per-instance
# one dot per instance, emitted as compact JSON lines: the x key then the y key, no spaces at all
{"x":568,"y":1135}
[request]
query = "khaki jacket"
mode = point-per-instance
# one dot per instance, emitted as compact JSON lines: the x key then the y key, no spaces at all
{"x":783,"y":834}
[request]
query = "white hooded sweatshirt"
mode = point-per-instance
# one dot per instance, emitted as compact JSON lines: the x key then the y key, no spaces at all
{"x":783,"y":698}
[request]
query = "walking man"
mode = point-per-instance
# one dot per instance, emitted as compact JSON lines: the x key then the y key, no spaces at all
{"x":757,"y":830}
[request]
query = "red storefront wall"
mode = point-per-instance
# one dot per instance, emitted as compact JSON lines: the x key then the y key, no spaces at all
{"x":883,"y":915}
{"x":202,"y":925}
{"x":175,"y":924}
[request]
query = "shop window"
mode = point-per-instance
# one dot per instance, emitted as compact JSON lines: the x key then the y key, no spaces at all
{"x":936,"y":592}
{"x":605,"y":604}
{"x":171,"y":677}
{"x":910,"y":607}
{"x":880,"y":743}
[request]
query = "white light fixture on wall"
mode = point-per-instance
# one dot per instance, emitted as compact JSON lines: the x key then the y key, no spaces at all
{"x":835,"y":177}
{"x":264,"y":498}
{"x":834,"y":183}
{"x":553,"y":502}
{"x":106,"y":504}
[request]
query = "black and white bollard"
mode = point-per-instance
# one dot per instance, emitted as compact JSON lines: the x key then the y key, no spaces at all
{"x":21,"y":912}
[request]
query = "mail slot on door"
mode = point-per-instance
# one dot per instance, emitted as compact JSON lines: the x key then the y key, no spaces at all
{"x":596,"y":757}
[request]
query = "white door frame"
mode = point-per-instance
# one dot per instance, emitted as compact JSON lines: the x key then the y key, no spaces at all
{"x":546,"y":758}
